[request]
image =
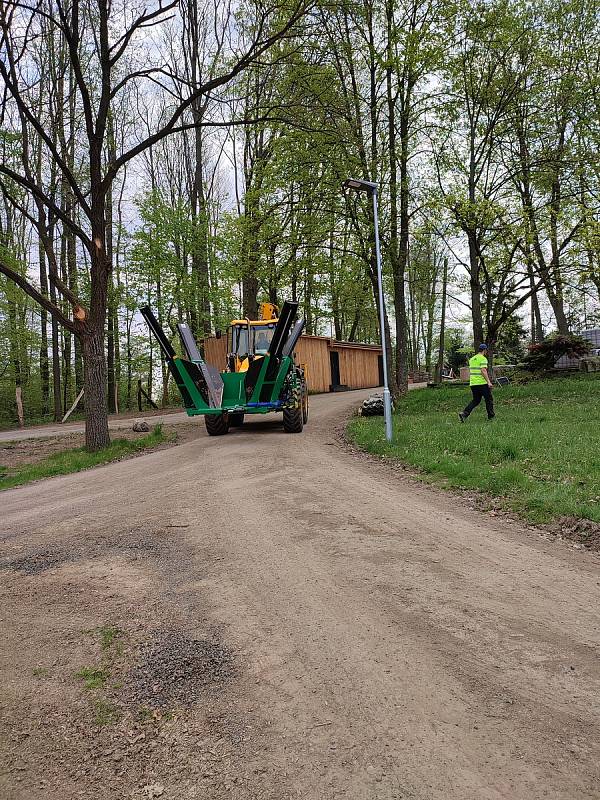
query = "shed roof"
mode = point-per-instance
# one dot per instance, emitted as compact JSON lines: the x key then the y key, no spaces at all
{"x":339,"y":344}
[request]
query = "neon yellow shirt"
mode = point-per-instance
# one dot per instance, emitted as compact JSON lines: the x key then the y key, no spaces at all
{"x":476,"y":363}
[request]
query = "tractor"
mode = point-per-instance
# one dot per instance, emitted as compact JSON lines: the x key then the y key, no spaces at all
{"x":261,"y":374}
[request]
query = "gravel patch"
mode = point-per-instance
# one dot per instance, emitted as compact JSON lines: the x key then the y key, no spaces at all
{"x":176,"y":670}
{"x":36,"y":563}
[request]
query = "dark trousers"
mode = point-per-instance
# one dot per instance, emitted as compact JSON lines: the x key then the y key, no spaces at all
{"x":481,"y":392}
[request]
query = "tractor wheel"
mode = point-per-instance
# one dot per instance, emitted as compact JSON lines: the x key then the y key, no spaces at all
{"x":292,"y":420}
{"x":304,"y":404}
{"x":236,"y":420}
{"x":217,"y":424}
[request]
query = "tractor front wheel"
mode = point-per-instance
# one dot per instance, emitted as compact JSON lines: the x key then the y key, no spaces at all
{"x":217,"y":424}
{"x":292,"y":420}
{"x":304,"y":403}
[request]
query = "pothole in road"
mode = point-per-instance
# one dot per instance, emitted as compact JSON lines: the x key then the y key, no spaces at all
{"x":175,"y":670}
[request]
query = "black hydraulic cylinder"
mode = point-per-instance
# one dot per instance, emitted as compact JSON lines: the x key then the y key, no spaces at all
{"x":281,"y":332}
{"x":280,"y":337}
{"x":155,"y":327}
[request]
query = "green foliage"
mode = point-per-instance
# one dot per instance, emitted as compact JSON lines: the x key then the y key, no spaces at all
{"x":543,"y":356}
{"x":457,"y":349}
{"x":540,"y":456}
{"x":510,"y":344}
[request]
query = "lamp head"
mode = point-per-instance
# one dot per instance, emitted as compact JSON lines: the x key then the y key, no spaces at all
{"x":358,"y":185}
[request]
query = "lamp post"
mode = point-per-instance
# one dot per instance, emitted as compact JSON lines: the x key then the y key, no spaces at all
{"x":371,"y":188}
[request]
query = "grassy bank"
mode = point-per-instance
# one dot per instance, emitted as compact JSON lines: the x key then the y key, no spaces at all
{"x":77,"y":459}
{"x":541,"y":455}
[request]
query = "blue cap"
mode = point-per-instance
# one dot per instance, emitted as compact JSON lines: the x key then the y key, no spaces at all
{"x":483,"y":346}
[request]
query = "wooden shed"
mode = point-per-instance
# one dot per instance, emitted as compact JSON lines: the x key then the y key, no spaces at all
{"x":330,"y":365}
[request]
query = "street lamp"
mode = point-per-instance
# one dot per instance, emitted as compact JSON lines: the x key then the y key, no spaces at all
{"x":371,"y":188}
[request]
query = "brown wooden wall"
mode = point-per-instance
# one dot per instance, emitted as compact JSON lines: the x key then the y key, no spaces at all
{"x":215,"y":352}
{"x":359,"y":364}
{"x":314,"y":352}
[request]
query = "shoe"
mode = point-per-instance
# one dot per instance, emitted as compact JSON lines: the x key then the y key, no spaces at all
{"x":461,"y":416}
{"x":490,"y":419}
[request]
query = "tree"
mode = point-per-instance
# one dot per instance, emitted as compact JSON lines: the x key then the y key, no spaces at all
{"x":510,"y":344}
{"x":456,"y":349}
{"x":481,"y":90}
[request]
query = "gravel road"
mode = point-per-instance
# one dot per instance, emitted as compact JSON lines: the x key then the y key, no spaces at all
{"x":344,"y":632}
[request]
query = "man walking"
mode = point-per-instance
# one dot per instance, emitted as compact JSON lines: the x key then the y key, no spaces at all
{"x":481,"y":385}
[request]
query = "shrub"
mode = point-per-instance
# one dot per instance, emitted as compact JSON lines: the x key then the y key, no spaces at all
{"x":543,"y":356}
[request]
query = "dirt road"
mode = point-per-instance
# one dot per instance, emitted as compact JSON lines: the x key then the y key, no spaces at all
{"x":270,"y":616}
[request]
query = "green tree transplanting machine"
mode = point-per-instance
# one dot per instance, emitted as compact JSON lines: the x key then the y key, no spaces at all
{"x":261,"y":375}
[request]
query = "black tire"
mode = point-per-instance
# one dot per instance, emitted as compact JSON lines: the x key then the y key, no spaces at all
{"x":304,"y":404}
{"x":292,"y":420}
{"x":216,"y":424}
{"x":236,"y":420}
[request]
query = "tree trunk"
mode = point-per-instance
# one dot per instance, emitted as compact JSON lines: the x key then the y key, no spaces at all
{"x":400,"y":373}
{"x":111,"y":311}
{"x":537,"y":330}
{"x":94,"y":379}
{"x":94,"y":361}
{"x":250,"y":293}
{"x":250,"y":256}
{"x":200,"y":265}
{"x":15,"y":357}
{"x":117,"y":350}
{"x":66,"y":336}
{"x":129,"y":370}
{"x":475,"y":286}
{"x":56,"y":376}
{"x":44,"y":363}
{"x":110,"y":359}
{"x":442,"y":344}
{"x":19,"y":402}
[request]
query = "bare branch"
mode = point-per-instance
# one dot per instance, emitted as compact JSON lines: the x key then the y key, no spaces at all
{"x":41,"y":299}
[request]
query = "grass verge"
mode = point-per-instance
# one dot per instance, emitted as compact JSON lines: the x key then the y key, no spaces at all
{"x":77,"y":459}
{"x":540,"y":457}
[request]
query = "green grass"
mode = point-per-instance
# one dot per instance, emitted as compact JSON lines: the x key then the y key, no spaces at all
{"x":97,"y":679}
{"x":105,"y":712}
{"x":108,"y":636}
{"x":93,"y":677}
{"x":39,"y":672}
{"x":77,"y":459}
{"x":540,"y":456}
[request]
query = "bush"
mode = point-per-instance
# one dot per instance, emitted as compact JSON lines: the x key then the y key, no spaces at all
{"x":543,"y":356}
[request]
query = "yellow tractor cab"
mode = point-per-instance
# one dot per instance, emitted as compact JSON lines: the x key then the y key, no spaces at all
{"x":249,"y":339}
